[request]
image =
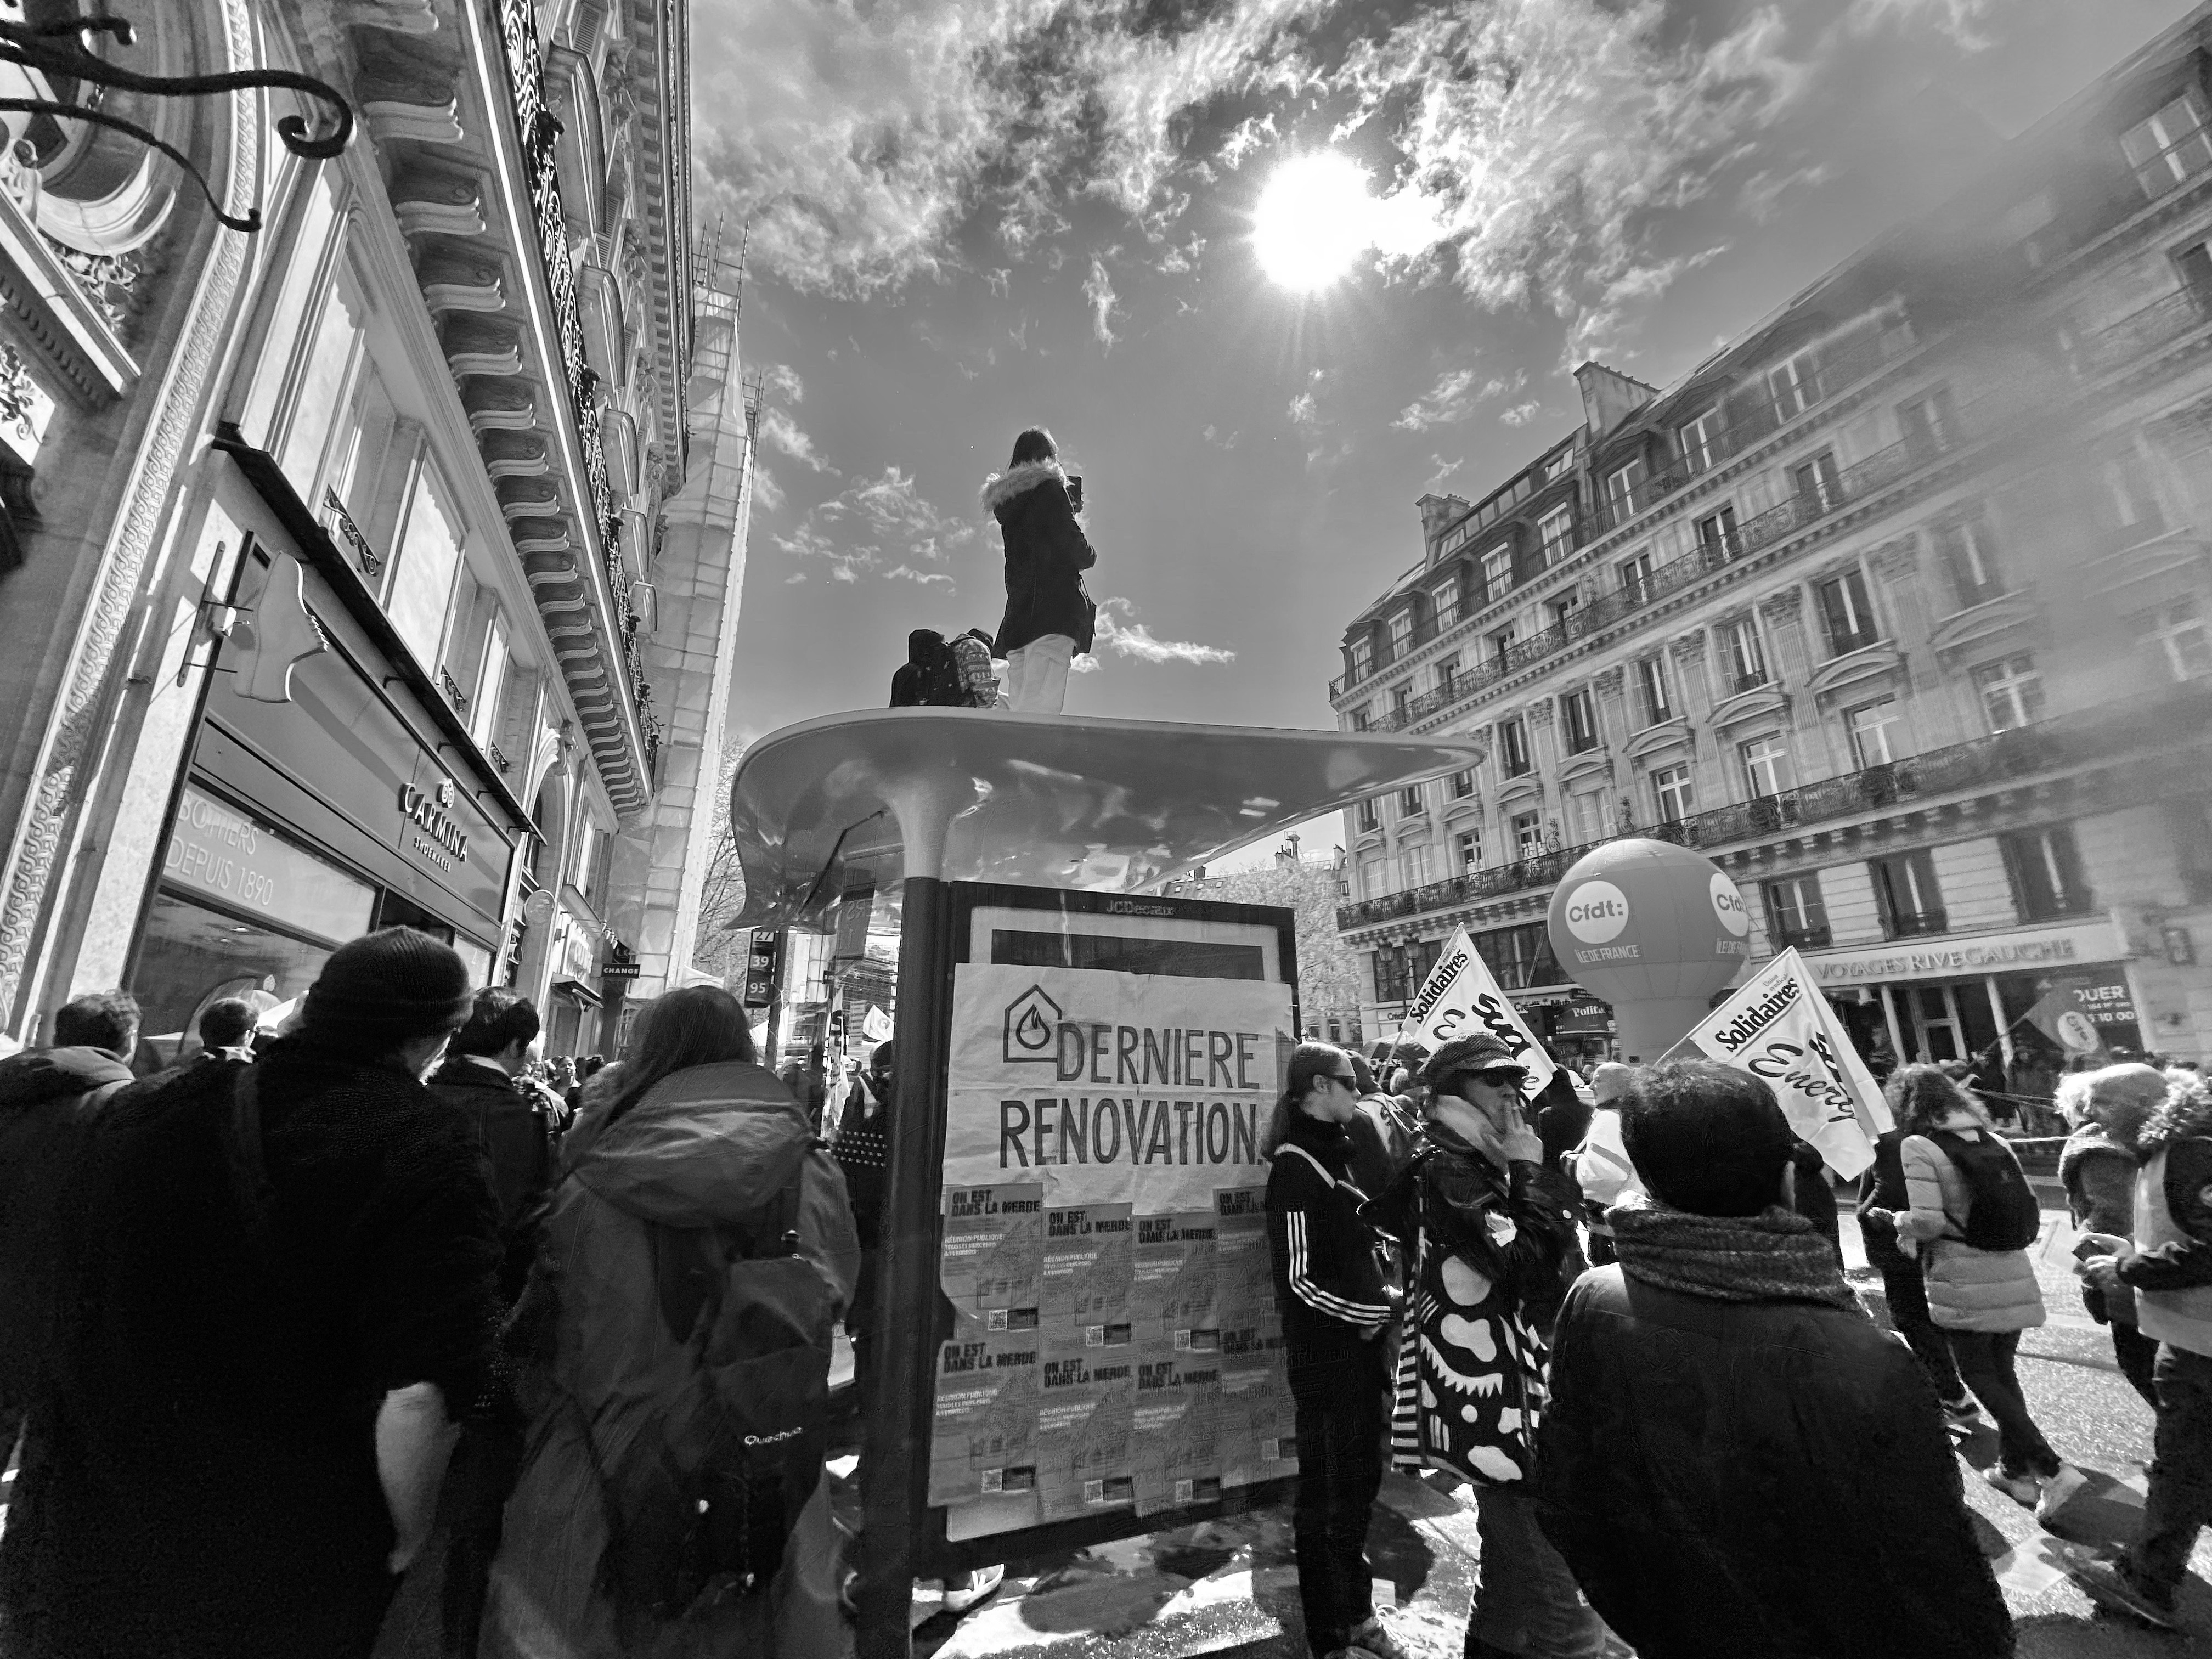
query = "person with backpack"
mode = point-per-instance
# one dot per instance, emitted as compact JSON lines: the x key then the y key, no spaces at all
{"x":1972,"y":1216}
{"x":1335,"y":1308}
{"x":1491,"y":1228}
{"x":673,"y":1354}
{"x":1050,"y":619}
{"x":284,"y":1286}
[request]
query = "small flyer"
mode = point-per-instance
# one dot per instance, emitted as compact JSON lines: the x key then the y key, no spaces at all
{"x":1085,"y":1408}
{"x":1259,"y":1439}
{"x":1244,"y":1283}
{"x":1175,"y":1429}
{"x":984,"y":1426}
{"x":992,"y":1268}
{"x":1086,"y":1272}
{"x":1172,"y":1291}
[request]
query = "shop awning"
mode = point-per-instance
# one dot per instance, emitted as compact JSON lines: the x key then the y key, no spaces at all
{"x":577,"y":992}
{"x":1033,"y":799}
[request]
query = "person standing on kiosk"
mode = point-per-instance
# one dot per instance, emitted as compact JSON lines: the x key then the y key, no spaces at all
{"x":1335,"y":1308}
{"x":1049,"y":618}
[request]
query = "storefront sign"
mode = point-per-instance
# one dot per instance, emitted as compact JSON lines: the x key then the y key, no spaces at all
{"x":2023,"y":951}
{"x":442,"y":839}
{"x":2104,"y":998}
{"x":1583,"y":1015}
{"x":219,"y":851}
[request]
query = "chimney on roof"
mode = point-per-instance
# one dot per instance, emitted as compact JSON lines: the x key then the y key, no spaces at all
{"x":1609,"y":397}
{"x":1437,"y":512}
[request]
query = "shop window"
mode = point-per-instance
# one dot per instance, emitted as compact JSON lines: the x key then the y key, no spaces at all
{"x":1766,"y":770}
{"x":2045,"y":869}
{"x":1655,"y":697}
{"x":1847,"y":612}
{"x":2175,"y":637}
{"x":419,"y":598}
{"x":2011,"y":692}
{"x":191,"y":956}
{"x":1527,"y":835}
{"x":1795,"y":913}
{"x":1513,"y":748}
{"x":1876,"y":731}
{"x":1969,"y":553}
{"x":1716,"y":537}
{"x":1906,"y":896}
{"x":1496,"y":573}
{"x":1556,"y":532}
{"x":2170,"y":148}
{"x":1578,"y":713}
{"x":1743,"y":653}
{"x":1674,"y":794}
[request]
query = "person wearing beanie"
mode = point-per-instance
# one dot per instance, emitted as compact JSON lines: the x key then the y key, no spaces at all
{"x":1735,"y":1462}
{"x":288,"y":1277}
{"x":2107,"y":1110}
{"x":1492,"y":1226}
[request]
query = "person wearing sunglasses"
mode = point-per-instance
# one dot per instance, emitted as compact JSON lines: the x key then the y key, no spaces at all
{"x":1490,"y":1225}
{"x":1335,"y":1307}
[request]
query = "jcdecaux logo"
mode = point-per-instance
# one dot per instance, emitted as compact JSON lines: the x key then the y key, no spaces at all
{"x":1596,"y":912}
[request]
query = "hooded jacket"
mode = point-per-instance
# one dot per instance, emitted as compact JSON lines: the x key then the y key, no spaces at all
{"x":1047,"y":554}
{"x":517,"y":1134}
{"x":710,"y":1146}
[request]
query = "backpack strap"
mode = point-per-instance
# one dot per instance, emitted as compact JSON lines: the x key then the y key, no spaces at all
{"x":1320,"y":1168}
{"x":688,"y":1262}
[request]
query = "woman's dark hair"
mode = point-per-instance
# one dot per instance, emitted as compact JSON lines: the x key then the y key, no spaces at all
{"x":1035,"y":444}
{"x":1922,"y":1096}
{"x":698,"y":1026}
{"x":1308,"y":1062}
{"x":500,"y":1019}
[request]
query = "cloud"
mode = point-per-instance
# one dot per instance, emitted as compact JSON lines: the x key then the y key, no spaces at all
{"x":1219,"y":440}
{"x":907,"y":573}
{"x":1001,"y":282}
{"x":1521,"y":414}
{"x":871,"y":525}
{"x":1301,"y":410}
{"x":1444,"y":469}
{"x":768,"y":494}
{"x":1098,"y":289}
{"x":795,"y":576}
{"x":1454,"y":397}
{"x":1128,"y":638}
{"x":1757,"y":197}
{"x":1084,"y":663}
{"x":782,"y":434}
{"x":782,"y":381}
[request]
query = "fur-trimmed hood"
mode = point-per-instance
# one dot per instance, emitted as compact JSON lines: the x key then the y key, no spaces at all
{"x":2187,"y":1114}
{"x":1002,"y":487}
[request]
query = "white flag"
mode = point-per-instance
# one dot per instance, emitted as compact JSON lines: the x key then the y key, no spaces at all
{"x":1460,"y":997}
{"x":1779,"y":1027}
{"x":876,"y":1025}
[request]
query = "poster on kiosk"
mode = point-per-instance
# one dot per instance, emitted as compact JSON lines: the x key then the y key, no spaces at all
{"x":1113,"y":1355}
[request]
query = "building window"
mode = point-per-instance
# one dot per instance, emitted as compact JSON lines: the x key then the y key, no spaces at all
{"x":1969,"y":552}
{"x":1847,"y":613}
{"x":1401,"y":700}
{"x":1676,"y":796}
{"x":1556,"y":531}
{"x":1446,"y":600}
{"x":1527,"y":835}
{"x":1816,"y":483}
{"x":1745,"y":656}
{"x":2176,"y":634}
{"x":1455,"y":540}
{"x":1586,"y":817}
{"x":2132,"y":500}
{"x":1636,"y":578}
{"x":1463,"y":785}
{"x":1393,"y":970}
{"x":2011,"y":692}
{"x":421,"y":596}
{"x":1795,"y":915}
{"x":1876,"y":729}
{"x":1363,"y":658}
{"x":1929,"y":422}
{"x":1905,"y":894}
{"x":1620,"y":487}
{"x":1513,"y":748}
{"x":1401,"y":635}
{"x":1700,"y":441}
{"x":1766,"y":764}
{"x":2170,"y":149}
{"x":1790,"y":385}
{"x":1654,"y":697}
{"x":1717,"y":538}
{"x":1520,"y":956}
{"x":1447,"y":676}
{"x":1413,"y":868}
{"x":1578,"y":713}
{"x":1469,"y":842}
{"x":1497,"y":573}
{"x":1565,"y":606}
{"x":1409,"y":801}
{"x":1501,"y":646}
{"x":2045,"y":868}
{"x":1370,"y":820}
{"x":490,"y":683}
{"x":2189,"y":825}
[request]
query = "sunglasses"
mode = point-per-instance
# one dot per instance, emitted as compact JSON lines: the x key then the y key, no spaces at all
{"x":1501,"y":1077}
{"x":1345,"y":1078}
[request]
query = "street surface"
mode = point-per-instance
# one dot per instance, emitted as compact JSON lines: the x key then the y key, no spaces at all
{"x":1228,"y":1588}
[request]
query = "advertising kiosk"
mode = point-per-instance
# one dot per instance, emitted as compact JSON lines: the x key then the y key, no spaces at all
{"x":1075,"y":1328}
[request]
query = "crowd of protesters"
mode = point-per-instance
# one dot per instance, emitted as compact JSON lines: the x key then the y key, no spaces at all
{"x":357,"y":1328}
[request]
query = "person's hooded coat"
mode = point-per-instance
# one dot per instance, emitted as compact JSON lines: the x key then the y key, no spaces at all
{"x":1047,"y":554}
{"x":710,"y":1146}
{"x":518,"y":1137}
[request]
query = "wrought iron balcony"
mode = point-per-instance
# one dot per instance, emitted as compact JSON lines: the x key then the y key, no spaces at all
{"x":2164,"y":318}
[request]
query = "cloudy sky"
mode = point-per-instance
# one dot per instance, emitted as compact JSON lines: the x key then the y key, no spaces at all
{"x":969,"y":216}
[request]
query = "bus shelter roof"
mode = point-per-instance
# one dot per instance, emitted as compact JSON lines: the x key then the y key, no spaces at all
{"x":866,"y":800}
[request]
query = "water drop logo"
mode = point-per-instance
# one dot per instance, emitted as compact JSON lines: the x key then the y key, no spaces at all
{"x":1031,"y":1020}
{"x":1596,"y":912}
{"x":1728,"y":905}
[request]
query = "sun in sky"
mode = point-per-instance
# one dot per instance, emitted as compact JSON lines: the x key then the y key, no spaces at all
{"x":1314,"y":218}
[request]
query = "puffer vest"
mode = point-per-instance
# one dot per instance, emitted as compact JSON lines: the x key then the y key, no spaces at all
{"x":2181,"y":1317}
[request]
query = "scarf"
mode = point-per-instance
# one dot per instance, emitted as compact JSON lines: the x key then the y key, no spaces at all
{"x":1776,"y":1255}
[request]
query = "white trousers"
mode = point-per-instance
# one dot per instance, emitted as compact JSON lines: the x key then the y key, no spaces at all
{"x":1037,"y":675}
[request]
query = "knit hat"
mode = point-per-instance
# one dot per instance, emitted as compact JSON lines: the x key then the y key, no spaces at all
{"x":389,"y":987}
{"x":1479,"y":1052}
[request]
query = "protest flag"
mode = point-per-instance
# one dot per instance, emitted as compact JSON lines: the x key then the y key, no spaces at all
{"x":2059,"y":1015}
{"x":876,"y":1025}
{"x":1778,"y":1026}
{"x":1461,"y":996}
